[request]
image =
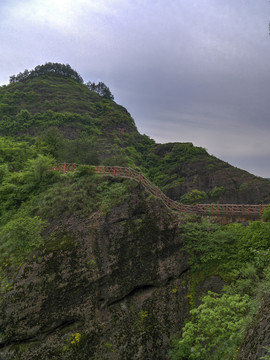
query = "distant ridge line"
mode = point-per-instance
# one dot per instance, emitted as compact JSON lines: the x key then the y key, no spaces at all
{"x":231,"y":210}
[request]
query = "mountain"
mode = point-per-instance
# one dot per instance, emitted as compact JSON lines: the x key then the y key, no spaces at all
{"x":94,"y":267}
{"x":66,"y":119}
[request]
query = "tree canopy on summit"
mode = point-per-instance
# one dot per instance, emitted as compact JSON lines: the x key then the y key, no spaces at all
{"x":48,"y":68}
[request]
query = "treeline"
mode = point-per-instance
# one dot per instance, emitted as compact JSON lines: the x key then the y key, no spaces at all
{"x":62,"y":70}
{"x":48,"y":68}
{"x":100,"y":89}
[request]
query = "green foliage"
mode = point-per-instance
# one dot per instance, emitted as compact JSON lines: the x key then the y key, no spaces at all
{"x":53,"y":140}
{"x":216,"y":192}
{"x":117,"y":157}
{"x":35,"y":195}
{"x":24,"y":121}
{"x":266,"y":214}
{"x":193,"y":197}
{"x":79,"y":151}
{"x":15,"y":153}
{"x":227,"y":247}
{"x":267,"y":356}
{"x":4,"y":109}
{"x":197,"y":241}
{"x":162,"y":159}
{"x":44,"y":94}
{"x":255,"y":239}
{"x":241,"y":256}
{"x":242,"y":280}
{"x":36,"y":170}
{"x":63,"y":118}
{"x":243,"y":186}
{"x":18,"y":187}
{"x":134,"y":154}
{"x":100,"y":89}
{"x":144,"y":144}
{"x":174,"y":183}
{"x":3,"y":172}
{"x":111,"y":194}
{"x":20,"y":235}
{"x":78,"y":194}
{"x":72,"y":195}
{"x":215,"y":332}
{"x":48,"y":68}
{"x":83,"y":170}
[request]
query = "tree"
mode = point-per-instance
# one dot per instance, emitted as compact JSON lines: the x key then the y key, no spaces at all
{"x":48,"y":68}
{"x":266,"y":214}
{"x":100,"y":89}
{"x":193,"y":197}
{"x":215,"y":331}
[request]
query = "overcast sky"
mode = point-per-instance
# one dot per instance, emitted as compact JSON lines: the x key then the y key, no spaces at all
{"x":186,"y":70}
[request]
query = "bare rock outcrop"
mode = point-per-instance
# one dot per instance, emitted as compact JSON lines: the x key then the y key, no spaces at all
{"x":111,"y":286}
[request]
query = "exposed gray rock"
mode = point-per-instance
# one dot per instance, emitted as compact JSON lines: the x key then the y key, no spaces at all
{"x":257,"y":340}
{"x":119,"y":280}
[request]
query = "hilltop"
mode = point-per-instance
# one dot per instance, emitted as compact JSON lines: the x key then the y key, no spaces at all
{"x":61,"y":116}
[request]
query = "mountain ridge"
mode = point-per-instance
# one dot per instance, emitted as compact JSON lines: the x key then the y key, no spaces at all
{"x":78,"y":125}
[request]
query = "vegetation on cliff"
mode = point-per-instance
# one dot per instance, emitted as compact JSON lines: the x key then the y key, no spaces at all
{"x":239,"y":254}
{"x":47,"y":116}
{"x":34,"y":196}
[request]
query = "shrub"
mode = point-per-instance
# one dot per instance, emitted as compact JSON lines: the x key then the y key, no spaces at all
{"x":243,"y":186}
{"x":215,"y":332}
{"x":266,"y":214}
{"x":111,"y":194}
{"x":193,"y":197}
{"x":74,"y":195}
{"x":21,"y":235}
{"x":3,"y":172}
{"x":216,"y":192}
{"x":83,"y":170}
{"x":37,"y":169}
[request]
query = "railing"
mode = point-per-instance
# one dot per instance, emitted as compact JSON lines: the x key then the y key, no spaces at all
{"x":254,"y":211}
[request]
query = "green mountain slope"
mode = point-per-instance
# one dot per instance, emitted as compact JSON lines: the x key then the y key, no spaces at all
{"x":60,"y":116}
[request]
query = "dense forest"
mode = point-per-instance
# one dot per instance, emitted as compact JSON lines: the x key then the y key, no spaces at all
{"x":48,"y":115}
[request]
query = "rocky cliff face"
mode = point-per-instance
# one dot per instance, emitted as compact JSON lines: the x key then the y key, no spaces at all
{"x":237,"y":186}
{"x":256,"y":343}
{"x":220,"y":181}
{"x":111,"y":286}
